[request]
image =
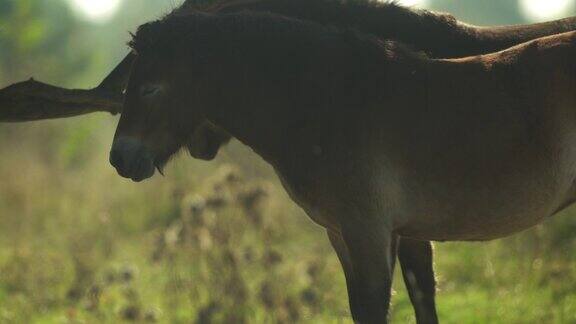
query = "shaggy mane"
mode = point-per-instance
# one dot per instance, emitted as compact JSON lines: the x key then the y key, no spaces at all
{"x":174,"y":27}
{"x":385,"y":20}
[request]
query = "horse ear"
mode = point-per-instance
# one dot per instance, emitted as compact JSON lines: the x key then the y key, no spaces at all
{"x":206,"y":141}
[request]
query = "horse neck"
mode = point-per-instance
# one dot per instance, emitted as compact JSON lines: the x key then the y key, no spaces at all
{"x":260,"y":121}
{"x":273,"y":117}
{"x":265,"y":92}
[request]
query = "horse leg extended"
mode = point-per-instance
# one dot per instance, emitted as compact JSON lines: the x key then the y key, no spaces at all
{"x":416,"y":260}
{"x":343,"y":255}
{"x":369,"y":247}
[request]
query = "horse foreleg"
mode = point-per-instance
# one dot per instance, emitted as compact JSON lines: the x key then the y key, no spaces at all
{"x":344,"y":257}
{"x":369,"y":248}
{"x":416,"y":260}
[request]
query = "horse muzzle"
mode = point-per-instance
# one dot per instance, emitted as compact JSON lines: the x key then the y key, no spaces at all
{"x":132,"y":159}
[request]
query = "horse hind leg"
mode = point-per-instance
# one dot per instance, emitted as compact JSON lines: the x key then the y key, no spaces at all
{"x":416,"y":261}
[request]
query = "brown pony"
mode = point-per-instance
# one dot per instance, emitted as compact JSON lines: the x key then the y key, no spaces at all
{"x":373,"y":140}
{"x":438,"y":35}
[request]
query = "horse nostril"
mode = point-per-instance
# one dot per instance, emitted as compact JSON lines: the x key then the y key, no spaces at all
{"x":116,"y":159}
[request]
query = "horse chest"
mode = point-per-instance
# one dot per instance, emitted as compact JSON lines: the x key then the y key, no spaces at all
{"x":317,"y":184}
{"x":302,"y":192}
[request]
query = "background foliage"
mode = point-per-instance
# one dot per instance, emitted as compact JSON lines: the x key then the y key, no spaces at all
{"x":210,"y":242}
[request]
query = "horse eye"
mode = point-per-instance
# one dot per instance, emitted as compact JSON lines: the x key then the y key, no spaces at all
{"x":150,"y":90}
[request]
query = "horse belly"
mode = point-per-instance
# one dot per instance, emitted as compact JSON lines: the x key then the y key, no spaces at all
{"x":480,"y":225}
{"x":487,"y":206}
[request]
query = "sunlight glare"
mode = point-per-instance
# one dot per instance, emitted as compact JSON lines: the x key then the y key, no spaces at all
{"x":96,"y":10}
{"x":413,"y":3}
{"x":546,"y":9}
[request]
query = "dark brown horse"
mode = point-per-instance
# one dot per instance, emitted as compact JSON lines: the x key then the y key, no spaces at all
{"x":373,"y":140}
{"x":438,"y":35}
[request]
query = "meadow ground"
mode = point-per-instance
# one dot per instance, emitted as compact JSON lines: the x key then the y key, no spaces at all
{"x":220,"y":243}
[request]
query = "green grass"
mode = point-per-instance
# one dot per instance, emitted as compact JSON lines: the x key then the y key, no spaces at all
{"x":78,"y":244}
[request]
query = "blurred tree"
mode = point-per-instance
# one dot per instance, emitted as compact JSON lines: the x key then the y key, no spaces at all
{"x":43,"y":39}
{"x":37,"y":37}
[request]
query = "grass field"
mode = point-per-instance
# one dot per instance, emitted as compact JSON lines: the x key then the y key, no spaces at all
{"x":219,"y":243}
